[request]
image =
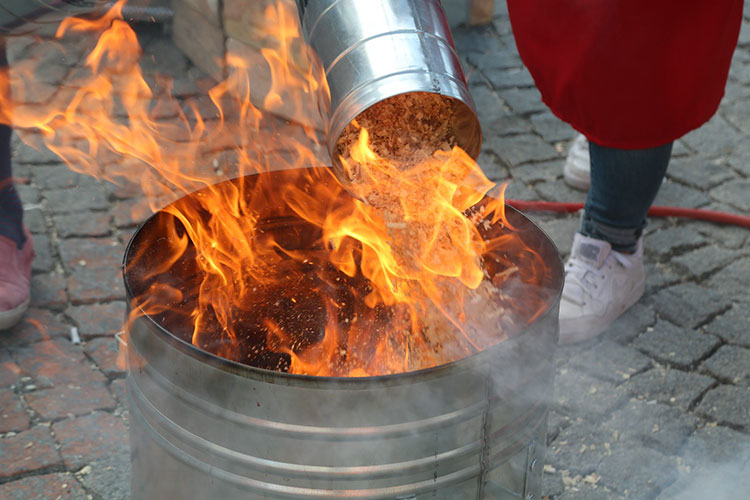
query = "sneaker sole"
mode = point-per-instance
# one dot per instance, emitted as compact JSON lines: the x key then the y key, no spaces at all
{"x":579,"y":182}
{"x":10,"y":318}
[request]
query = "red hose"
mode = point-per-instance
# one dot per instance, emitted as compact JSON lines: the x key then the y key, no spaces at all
{"x":655,"y":211}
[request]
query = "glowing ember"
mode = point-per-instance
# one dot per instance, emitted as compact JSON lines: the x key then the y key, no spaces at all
{"x":285,"y":270}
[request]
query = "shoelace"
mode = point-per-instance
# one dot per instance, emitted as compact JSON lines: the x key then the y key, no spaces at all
{"x":585,"y":278}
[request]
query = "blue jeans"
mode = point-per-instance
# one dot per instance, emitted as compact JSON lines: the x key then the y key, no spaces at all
{"x":11,"y":209}
{"x":624,"y":184}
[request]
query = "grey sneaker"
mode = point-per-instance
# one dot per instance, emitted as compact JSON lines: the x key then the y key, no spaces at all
{"x":600,"y":285}
{"x":577,"y":168}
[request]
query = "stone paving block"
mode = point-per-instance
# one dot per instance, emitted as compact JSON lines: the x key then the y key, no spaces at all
{"x":28,"y":194}
{"x":658,"y":426}
{"x":59,"y":176}
{"x":58,"y":486}
{"x":493,"y":167}
{"x":733,"y":326}
{"x":580,"y":394}
{"x":659,"y":275}
{"x":715,"y":445}
{"x":89,"y":285}
{"x":40,"y":156}
{"x":503,"y":124}
{"x":104,"y":352}
{"x":700,"y":173}
{"x":738,"y":115}
{"x":727,"y":404}
{"x":669,"y":386}
{"x":630,"y":324}
{"x":689,"y":304}
{"x":489,"y":61}
{"x":60,"y":201}
{"x":44,"y":261}
{"x":36,"y":325}
{"x":109,"y":477}
{"x":580,"y":448}
{"x":71,"y":399}
{"x":520,"y":148}
{"x":523,"y":101}
{"x":637,"y":471}
{"x":56,"y":362}
{"x":201,"y":40}
{"x":675,"y":194}
{"x":561,"y":230}
{"x":82,"y":224}
{"x":551,"y":128}
{"x":733,"y":280}
{"x":98,"y":319}
{"x":90,"y":438}
{"x":583,"y":491}
{"x":91,"y":253}
{"x":735,"y":193}
{"x":729,"y":236}
{"x":678,"y":346}
{"x":702,"y":261}
{"x":726,"y":481}
{"x":13,"y":416}
{"x":611,"y":361}
{"x":537,"y":172}
{"x":556,"y":422}
{"x":28,"y":451}
{"x":486,"y":99}
{"x":715,"y":138}
{"x":133,"y":212}
{"x":33,"y":219}
{"x":119,"y":389}
{"x":49,"y":291}
{"x":557,"y":191}
{"x":508,"y":78}
{"x":730,"y":364}
{"x":666,"y":242}
{"x":552,"y":484}
{"x":9,"y":370}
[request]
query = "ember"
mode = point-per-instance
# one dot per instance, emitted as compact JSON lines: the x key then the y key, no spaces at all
{"x":286,"y":270}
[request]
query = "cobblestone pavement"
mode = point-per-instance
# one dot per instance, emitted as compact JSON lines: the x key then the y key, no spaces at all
{"x":657,"y":408}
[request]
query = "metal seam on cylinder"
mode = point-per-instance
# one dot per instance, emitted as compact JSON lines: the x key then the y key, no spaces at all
{"x":293,"y":492}
{"x":320,"y":17}
{"x":392,"y":430}
{"x":353,"y":473}
{"x":363,"y":41}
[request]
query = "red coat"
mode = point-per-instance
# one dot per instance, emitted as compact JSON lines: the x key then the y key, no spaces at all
{"x":629,"y":74}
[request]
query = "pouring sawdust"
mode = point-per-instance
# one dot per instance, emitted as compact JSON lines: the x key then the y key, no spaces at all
{"x":400,"y":158}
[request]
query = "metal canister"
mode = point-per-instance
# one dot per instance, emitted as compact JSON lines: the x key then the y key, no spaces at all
{"x":206,"y":427}
{"x":375,"y":50}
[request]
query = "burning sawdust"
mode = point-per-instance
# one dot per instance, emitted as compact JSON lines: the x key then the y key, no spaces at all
{"x":400,"y":157}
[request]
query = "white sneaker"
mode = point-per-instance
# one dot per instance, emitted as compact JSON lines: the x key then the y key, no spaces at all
{"x":577,"y":168}
{"x":600,"y":284}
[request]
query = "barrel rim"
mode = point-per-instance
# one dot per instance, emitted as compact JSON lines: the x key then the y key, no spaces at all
{"x":249,"y":371}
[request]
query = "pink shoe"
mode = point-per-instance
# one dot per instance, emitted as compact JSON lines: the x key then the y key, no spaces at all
{"x":15,"y":280}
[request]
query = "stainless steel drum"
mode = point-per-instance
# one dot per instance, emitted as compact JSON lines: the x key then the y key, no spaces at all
{"x":203,"y":427}
{"x":375,"y":50}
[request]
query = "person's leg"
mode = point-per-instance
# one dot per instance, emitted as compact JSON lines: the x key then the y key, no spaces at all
{"x":604,"y":275}
{"x":16,"y":247}
{"x":624,"y":184}
{"x":11,"y":210}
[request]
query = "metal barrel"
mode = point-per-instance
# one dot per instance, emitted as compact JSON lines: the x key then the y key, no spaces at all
{"x":205,"y":427}
{"x":375,"y":50}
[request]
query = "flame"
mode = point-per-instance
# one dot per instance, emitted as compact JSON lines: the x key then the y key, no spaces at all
{"x":341,"y":290}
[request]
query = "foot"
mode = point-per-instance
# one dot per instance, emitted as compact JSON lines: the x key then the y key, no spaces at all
{"x":577,"y":168}
{"x":600,"y":284}
{"x":15,"y":280}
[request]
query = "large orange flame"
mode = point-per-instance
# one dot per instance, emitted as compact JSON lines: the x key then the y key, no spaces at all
{"x":398,"y":311}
